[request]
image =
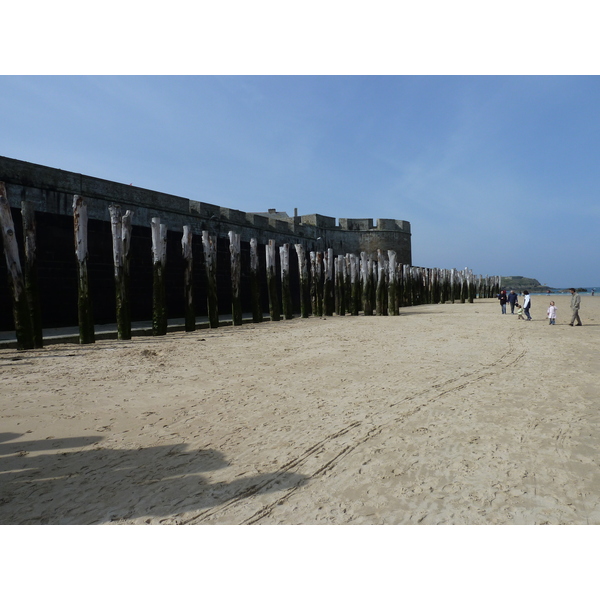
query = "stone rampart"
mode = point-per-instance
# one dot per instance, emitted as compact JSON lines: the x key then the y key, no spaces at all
{"x":51,"y":191}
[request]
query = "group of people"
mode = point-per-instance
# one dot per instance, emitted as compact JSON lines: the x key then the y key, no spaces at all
{"x":523,"y":309}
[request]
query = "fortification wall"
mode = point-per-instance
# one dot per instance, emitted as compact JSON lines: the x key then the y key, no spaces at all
{"x":51,"y":191}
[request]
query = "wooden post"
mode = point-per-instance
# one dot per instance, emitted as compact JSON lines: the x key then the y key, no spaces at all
{"x":313,"y":283}
{"x":347,"y":284}
{"x":286,"y":294}
{"x":328,"y":284}
{"x":366,"y":265}
{"x":337,"y":286}
{"x":159,"y":261}
{"x":274,"y":309}
{"x":257,"y":315}
{"x":471,"y":287}
{"x":340,"y":283}
{"x":304,"y":281}
{"x":380,"y":294}
{"x":125,"y":300}
{"x":188,"y":278}
{"x":320,"y":287}
{"x":84,"y":300}
{"x":372,"y":272}
{"x":354,"y":285}
{"x":209,"y":244}
{"x":236,"y":277}
{"x":119,"y":237}
{"x":31,"y":280}
{"x":463,"y":286}
{"x":392,"y":287}
{"x":21,"y":314}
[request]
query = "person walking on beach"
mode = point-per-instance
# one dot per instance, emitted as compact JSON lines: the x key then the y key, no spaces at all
{"x":519,"y":311}
{"x":575,"y":304}
{"x":512,"y":300}
{"x":552,"y":313}
{"x":502,"y":298}
{"x":527,"y":304}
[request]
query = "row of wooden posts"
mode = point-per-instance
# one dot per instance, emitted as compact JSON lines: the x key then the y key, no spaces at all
{"x":328,"y":284}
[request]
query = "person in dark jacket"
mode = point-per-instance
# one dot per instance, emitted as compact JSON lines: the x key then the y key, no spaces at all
{"x":502,"y":298}
{"x":512,"y":300}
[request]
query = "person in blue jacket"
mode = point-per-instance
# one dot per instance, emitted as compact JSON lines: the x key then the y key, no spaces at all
{"x":512,"y":300}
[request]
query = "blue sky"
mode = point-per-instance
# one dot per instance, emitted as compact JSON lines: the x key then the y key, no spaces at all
{"x":497,"y":173}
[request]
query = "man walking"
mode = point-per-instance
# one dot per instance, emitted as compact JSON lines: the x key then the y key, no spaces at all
{"x":575,"y":304}
{"x":512,"y":300}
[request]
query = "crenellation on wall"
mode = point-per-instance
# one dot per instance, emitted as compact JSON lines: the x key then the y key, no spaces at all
{"x":257,"y":220}
{"x":318,"y":221}
{"x":356,"y":224}
{"x":233,"y":216}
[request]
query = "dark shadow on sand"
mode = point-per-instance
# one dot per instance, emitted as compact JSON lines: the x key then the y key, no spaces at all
{"x":98,"y":485}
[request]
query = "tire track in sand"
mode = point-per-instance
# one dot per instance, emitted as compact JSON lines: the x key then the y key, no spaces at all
{"x":310,"y":460}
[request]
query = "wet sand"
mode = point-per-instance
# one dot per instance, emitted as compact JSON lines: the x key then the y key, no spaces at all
{"x":448,"y":414}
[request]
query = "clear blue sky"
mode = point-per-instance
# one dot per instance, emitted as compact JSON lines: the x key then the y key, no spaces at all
{"x":497,"y":173}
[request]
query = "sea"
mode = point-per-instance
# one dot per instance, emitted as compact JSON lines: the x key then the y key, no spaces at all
{"x":591,"y":291}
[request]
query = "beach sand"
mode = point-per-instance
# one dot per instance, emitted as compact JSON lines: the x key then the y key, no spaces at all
{"x":447,"y":414}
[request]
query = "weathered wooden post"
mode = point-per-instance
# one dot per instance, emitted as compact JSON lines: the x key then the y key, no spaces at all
{"x":286,"y":294}
{"x":274,"y":309}
{"x":400,"y":285}
{"x":84,"y":300}
{"x":320,"y":286}
{"x":304,"y":281}
{"x":236,"y":277}
{"x":209,"y":245}
{"x":447,"y":288}
{"x":340,"y":284}
{"x":463,"y":286}
{"x":126,"y":303}
{"x":406,"y":294}
{"x":257,"y":315}
{"x":188,"y":278}
{"x":367,"y":279}
{"x":427,"y":286}
{"x":419,"y":289}
{"x":119,"y":237}
{"x":159,"y":262}
{"x":21,"y":314}
{"x":313,"y":283}
{"x":116,"y":226}
{"x":437,"y":286}
{"x":347,"y":284}
{"x":337,"y":285}
{"x":471,"y":288}
{"x":328,"y":284}
{"x":392,"y":287}
{"x":380,"y":291}
{"x":31,"y":281}
{"x":355,"y":285}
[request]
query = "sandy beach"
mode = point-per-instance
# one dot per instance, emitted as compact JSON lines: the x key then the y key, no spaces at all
{"x":447,"y":414}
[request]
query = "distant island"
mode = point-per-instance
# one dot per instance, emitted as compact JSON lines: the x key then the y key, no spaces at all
{"x":519,"y":283}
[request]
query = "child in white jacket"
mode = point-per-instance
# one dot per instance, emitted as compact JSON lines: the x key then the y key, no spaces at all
{"x":552,"y":313}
